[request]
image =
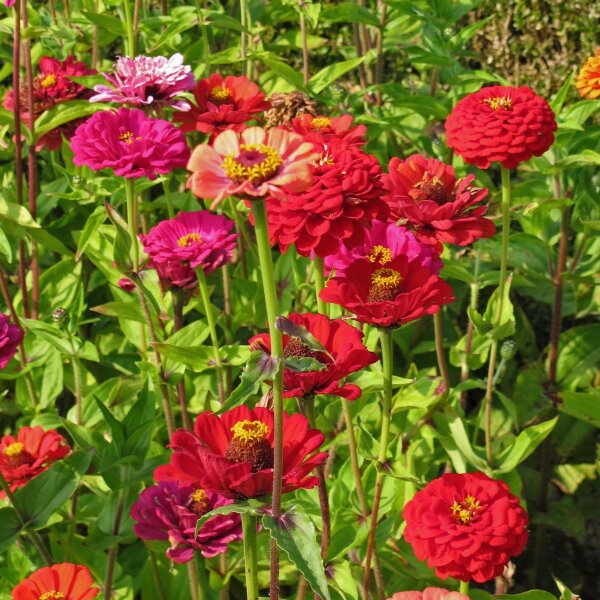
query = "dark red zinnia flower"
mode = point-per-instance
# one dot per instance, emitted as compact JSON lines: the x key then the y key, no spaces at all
{"x":425,"y":196}
{"x":345,"y":354}
{"x":344,"y":197}
{"x":65,"y":580}
{"x":170,"y":511}
{"x":232,"y":454}
{"x":222,"y":103}
{"x":500,"y":124}
{"x":29,"y":454}
{"x":328,"y":129}
{"x":390,"y":295}
{"x":467,"y":526}
{"x":51,"y":86}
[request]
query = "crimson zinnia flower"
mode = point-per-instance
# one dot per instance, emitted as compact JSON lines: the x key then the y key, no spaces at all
{"x":146,"y":80}
{"x":130,"y":143}
{"x":29,"y":454}
{"x":65,"y":581}
{"x":328,"y":129}
{"x":389,"y":295}
{"x":430,"y":593}
{"x":588,"y":78}
{"x":345,"y":354}
{"x":251,"y":164}
{"x":500,"y":124}
{"x":467,"y":526}
{"x":425,"y":195}
{"x":232,"y":454}
{"x":10,"y":338}
{"x":222,"y":103}
{"x":170,"y":510}
{"x":344,"y":197}
{"x":51,"y":86}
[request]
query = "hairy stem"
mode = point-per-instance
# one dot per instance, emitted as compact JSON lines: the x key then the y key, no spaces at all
{"x":464,"y":588}
{"x":130,"y":39}
{"x":116,"y":528}
{"x":177,"y":297}
{"x":132,"y":220}
{"x":250,"y":556}
{"x":319,"y":269}
{"x":439,"y":349}
{"x":305,"y":71}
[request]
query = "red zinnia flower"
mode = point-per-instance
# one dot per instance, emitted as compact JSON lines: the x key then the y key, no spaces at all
{"x":500,"y":124}
{"x":430,"y":593}
{"x":222,"y":104}
{"x":232,"y":454}
{"x":588,"y":78}
{"x":466,"y":526}
{"x":10,"y":338}
{"x":327,"y":129}
{"x":344,"y":197}
{"x":426,"y":196}
{"x":388,"y":296}
{"x":254,"y":163}
{"x":65,"y":581}
{"x":170,"y":511}
{"x":345,"y":354}
{"x":29,"y":454}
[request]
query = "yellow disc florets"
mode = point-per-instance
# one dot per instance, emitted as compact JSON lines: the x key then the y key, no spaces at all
{"x":255,"y":163}
{"x":51,"y":595}
{"x":320,"y":123}
{"x":380,"y":254}
{"x":128,"y":137}
{"x":14,"y":449}
{"x":48,"y":81}
{"x":190,"y":238}
{"x":249,"y":444}
{"x":464,"y":512}
{"x":499,"y":102}
{"x":220,"y":92}
{"x":385,"y":285}
{"x":199,"y":501}
{"x":250,"y":432}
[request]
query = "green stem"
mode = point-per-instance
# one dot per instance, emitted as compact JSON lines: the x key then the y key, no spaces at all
{"x":132,"y":219}
{"x":259,"y":212}
{"x":438,"y":326}
{"x":116,"y":528}
{"x":203,"y":585}
{"x":387,"y":360}
{"x":130,"y":33}
{"x":167,"y":188}
{"x":360,"y":490}
{"x":212,"y":327}
{"x":320,"y":284}
{"x":464,"y":588}
{"x":244,"y":35}
{"x":250,"y":556}
{"x":78,"y":390}
{"x":193,"y":579}
{"x":501,"y":287}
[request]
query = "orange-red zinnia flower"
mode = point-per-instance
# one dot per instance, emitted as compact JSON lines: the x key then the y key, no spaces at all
{"x":500,"y":124}
{"x":65,"y":581}
{"x":29,"y":453}
{"x":251,"y":164}
{"x":588,"y":78}
{"x":467,"y":526}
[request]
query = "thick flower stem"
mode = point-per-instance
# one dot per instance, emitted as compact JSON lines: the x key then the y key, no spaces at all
{"x":319,"y":268}
{"x":192,"y":568}
{"x":387,"y":360}
{"x":439,"y":349}
{"x":177,"y":298}
{"x":464,"y":588}
{"x":259,"y":212}
{"x":212,"y":327}
{"x":169,"y":200}
{"x":132,"y":221}
{"x":305,"y":71}
{"x":116,"y":528}
{"x":360,"y":490}
{"x":501,"y":287}
{"x":130,"y":32}
{"x":250,"y":556}
{"x":78,"y":384}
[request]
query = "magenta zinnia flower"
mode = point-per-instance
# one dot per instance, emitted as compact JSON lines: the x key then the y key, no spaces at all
{"x":10,"y":338}
{"x":198,"y":239}
{"x":382,"y":243}
{"x":170,"y":510}
{"x":130,"y":143}
{"x":147,"y":80}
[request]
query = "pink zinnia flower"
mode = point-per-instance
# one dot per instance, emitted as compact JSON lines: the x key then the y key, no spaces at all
{"x":10,"y":338}
{"x":147,"y":80}
{"x":253,"y":163}
{"x":130,"y":143}
{"x":170,"y":510}
{"x":198,"y":239}
{"x":430,"y":593}
{"x":382,"y":243}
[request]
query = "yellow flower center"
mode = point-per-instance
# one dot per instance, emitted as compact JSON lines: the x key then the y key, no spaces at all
{"x":499,"y":102}
{"x":380,"y":254}
{"x":49,"y":80}
{"x":430,"y":188}
{"x":14,"y":449}
{"x":321,"y":122}
{"x":249,"y":432}
{"x":249,"y":445}
{"x":255,"y":163}
{"x":464,"y":512}
{"x":220,"y":92}
{"x":199,"y":501}
{"x":190,"y":238}
{"x":385,"y":285}
{"x":128,"y":137}
{"x":51,"y":595}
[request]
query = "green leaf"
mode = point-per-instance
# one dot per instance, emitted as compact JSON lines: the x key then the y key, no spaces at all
{"x":252,"y":506}
{"x":121,"y":310}
{"x":122,"y":246}
{"x":51,"y":334}
{"x":296,"y":535}
{"x":578,"y":356}
{"x":527,"y":441}
{"x":92,"y":224}
{"x":9,"y":527}
{"x":303,"y":363}
{"x":584,"y":406}
{"x":328,"y":75}
{"x":65,"y":113}
{"x":530,"y":595}
{"x":349,"y":12}
{"x":292,"y":329}
{"x":108,"y":22}
{"x":460,"y":436}
{"x":283,"y":70}
{"x":559,"y":100}
{"x":200,"y":358}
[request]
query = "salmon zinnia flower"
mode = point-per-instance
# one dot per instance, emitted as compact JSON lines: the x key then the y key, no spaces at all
{"x":344,"y":354}
{"x":500,"y":124}
{"x":430,"y":593}
{"x":10,"y":338}
{"x":588,"y":78}
{"x":327,"y":129}
{"x":170,"y":511}
{"x":30,"y":453}
{"x":467,"y":526}
{"x":65,"y":581}
{"x":251,"y":164}
{"x":232,"y":454}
